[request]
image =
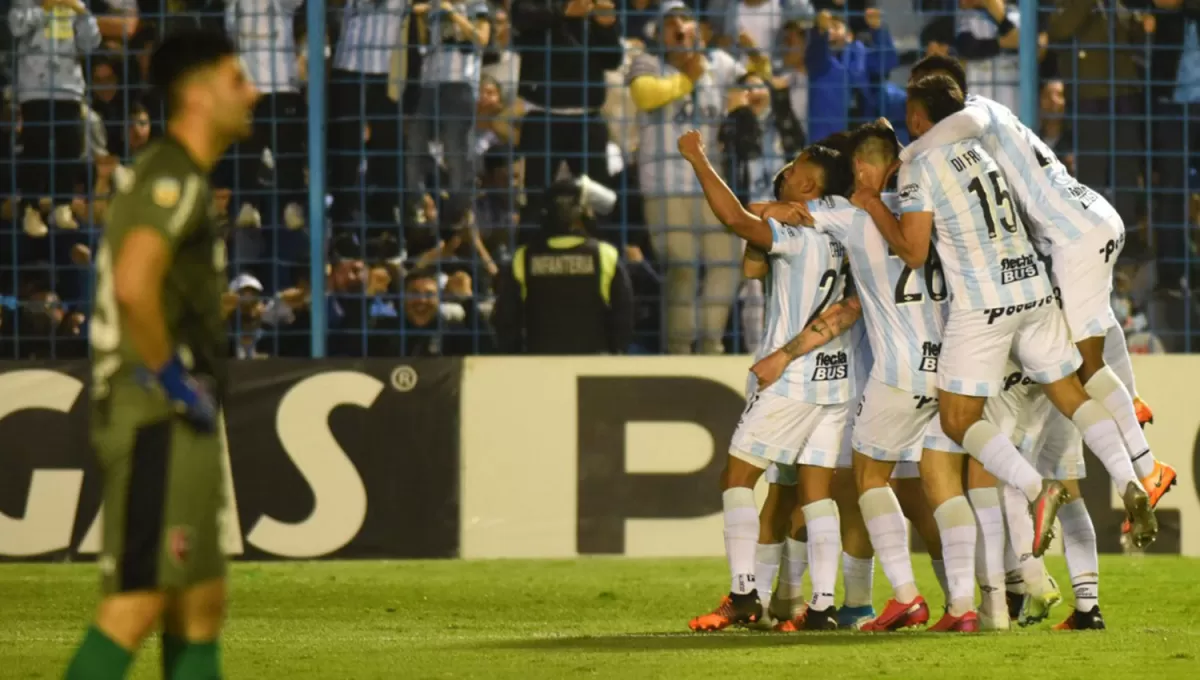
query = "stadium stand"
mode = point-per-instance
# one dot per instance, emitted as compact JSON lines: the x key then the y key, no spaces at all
{"x":431,"y":168}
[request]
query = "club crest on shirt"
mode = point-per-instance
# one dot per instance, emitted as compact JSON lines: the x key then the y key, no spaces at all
{"x":179,"y":544}
{"x":165,"y":192}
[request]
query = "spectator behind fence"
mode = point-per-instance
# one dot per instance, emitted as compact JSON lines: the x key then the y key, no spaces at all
{"x":458,"y":30}
{"x":429,"y":327}
{"x":262,"y":30}
{"x":1053,"y":127}
{"x":565,"y":46}
{"x":359,"y":99}
{"x":837,"y":66}
{"x":1175,"y":74}
{"x":565,"y":293}
{"x":987,"y":39}
{"x":1103,"y":44}
{"x":50,"y":39}
{"x":677,"y":88}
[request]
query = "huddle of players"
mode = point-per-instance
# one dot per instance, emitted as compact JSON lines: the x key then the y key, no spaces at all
{"x":962,"y":321}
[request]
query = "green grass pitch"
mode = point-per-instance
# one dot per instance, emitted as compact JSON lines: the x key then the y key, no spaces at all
{"x":604,"y":618}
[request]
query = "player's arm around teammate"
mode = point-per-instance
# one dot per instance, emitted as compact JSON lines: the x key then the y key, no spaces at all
{"x":839,"y":318}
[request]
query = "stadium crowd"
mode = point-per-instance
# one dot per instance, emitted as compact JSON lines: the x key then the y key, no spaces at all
{"x":447,"y":121}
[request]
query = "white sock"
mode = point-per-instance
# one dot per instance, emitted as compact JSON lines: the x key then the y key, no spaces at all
{"x":741,"y":537}
{"x":824,"y":548}
{"x":1102,"y":436}
{"x":1019,"y":523}
{"x":791,"y":578}
{"x":939,"y":570}
{"x":1116,"y":356}
{"x":767,"y":557}
{"x":1079,"y":543}
{"x":889,"y":536}
{"x":989,"y":547}
{"x":858,"y":575}
{"x":988,"y":445}
{"x":957,"y":526}
{"x":1106,"y":388}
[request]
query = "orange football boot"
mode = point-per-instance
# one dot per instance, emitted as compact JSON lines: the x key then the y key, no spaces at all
{"x":1157,"y":485}
{"x":1144,"y":415}
{"x":733,"y":610}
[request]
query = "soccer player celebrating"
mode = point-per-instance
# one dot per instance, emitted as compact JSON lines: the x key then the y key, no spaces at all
{"x":1002,"y":303}
{"x":1083,"y":235}
{"x":801,"y":418}
{"x":904,"y":309}
{"x":158,"y":370}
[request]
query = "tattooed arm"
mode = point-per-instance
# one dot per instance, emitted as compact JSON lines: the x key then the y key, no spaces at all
{"x":831,"y":323}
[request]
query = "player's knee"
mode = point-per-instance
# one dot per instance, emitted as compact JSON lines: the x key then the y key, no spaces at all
{"x":955,"y":423}
{"x":197,"y":613}
{"x":1091,"y":353}
{"x":870,"y":473}
{"x":127,"y":618}
{"x":979,"y":478}
{"x":739,"y":473}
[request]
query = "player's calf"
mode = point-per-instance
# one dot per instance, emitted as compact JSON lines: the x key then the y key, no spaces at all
{"x":123,"y":621}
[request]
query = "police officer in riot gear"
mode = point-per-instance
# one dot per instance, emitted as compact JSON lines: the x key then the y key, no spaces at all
{"x":565,"y":292}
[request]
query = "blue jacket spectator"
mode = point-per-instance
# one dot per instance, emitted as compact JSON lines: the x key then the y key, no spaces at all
{"x":837,"y":66}
{"x":880,"y":96}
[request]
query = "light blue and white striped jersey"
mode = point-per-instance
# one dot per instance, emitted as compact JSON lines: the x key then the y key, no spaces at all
{"x":904,"y":309}
{"x":864,"y":356}
{"x":986,"y":254}
{"x":263,"y":32}
{"x":805,"y":276}
{"x":370,"y":31}
{"x":450,"y":56}
{"x":762,"y":169}
{"x":1059,"y":209}
{"x":661,"y":170}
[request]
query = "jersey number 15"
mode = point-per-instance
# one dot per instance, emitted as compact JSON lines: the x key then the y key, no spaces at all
{"x":1001,"y":204}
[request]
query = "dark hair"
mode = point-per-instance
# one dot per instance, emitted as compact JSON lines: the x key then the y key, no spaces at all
{"x":940,"y":30}
{"x":939,"y":94}
{"x":183,"y":53}
{"x":834,"y":166}
{"x":876,"y":137}
{"x":418,"y":274}
{"x":936,"y":64}
{"x":841,"y":142}
{"x":137,"y":108}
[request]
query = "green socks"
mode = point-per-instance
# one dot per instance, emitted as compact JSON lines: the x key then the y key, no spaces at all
{"x":99,"y":658}
{"x":194,"y":661}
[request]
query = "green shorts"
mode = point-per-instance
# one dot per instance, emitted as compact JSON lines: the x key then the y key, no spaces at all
{"x":163,"y":494}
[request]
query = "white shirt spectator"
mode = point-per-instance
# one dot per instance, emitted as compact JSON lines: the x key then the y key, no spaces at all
{"x":263,"y":31}
{"x":370,"y":31}
{"x":999,"y":77}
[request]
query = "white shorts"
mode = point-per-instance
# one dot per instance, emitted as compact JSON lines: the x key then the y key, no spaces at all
{"x":977,"y":344}
{"x":890,"y":423}
{"x":1044,"y":436}
{"x":775,"y":429}
{"x":1082,"y":272}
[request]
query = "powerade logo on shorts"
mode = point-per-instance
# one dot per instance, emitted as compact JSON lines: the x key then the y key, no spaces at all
{"x":1016,"y":378}
{"x":997,"y":312}
{"x":930,"y":351}
{"x":832,"y":367}
{"x":1018,"y":269}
